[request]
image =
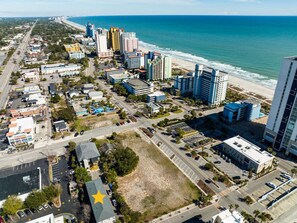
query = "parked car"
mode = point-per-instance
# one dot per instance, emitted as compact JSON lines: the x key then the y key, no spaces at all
{"x":217,"y":162}
{"x":45,"y":206}
{"x":108,"y":192}
{"x":21,"y":214}
{"x":114,"y":202}
{"x":270,"y":184}
{"x":40,"y":208}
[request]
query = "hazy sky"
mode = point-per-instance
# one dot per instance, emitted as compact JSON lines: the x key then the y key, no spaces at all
{"x":146,"y":7}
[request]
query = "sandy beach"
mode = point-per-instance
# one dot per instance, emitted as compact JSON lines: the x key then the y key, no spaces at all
{"x":247,"y":86}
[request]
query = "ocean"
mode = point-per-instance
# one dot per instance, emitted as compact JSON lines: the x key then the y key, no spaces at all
{"x":248,"y":47}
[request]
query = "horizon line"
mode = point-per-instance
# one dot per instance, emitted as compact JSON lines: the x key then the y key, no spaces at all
{"x":72,"y":16}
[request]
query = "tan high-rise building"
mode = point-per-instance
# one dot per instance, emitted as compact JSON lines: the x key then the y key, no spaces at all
{"x":115,"y":38}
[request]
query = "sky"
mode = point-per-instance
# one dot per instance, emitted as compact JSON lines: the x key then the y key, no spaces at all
{"x":20,"y":8}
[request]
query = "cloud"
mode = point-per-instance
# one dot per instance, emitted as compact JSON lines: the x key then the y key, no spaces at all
{"x":246,"y":1}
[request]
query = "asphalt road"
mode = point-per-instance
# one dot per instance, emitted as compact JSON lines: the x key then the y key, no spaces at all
{"x":12,"y":67}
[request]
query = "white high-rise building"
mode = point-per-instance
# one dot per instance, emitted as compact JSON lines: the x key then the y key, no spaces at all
{"x":167,"y":67}
{"x":210,"y":85}
{"x":281,"y":128}
{"x":129,"y":42}
{"x":101,"y":46}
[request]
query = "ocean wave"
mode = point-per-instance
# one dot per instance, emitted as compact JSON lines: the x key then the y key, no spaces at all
{"x":232,"y":70}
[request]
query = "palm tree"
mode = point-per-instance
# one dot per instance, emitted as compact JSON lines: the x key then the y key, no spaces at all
{"x":230,"y":206}
{"x":236,"y":206}
{"x":256,"y":213}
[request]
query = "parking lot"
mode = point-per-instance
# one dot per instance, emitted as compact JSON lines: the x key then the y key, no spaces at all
{"x":222,"y":162}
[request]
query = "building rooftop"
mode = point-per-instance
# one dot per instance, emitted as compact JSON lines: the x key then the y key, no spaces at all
{"x":156,"y":93}
{"x":249,"y":150}
{"x":153,"y":105}
{"x":87,"y":86}
{"x":18,"y":184}
{"x":228,"y":217}
{"x":86,"y":151}
{"x":60,"y":125}
{"x":137,"y":83}
{"x":119,"y":76}
{"x":100,"y":202}
{"x":95,"y":94}
{"x":234,"y":105}
{"x":20,"y":125}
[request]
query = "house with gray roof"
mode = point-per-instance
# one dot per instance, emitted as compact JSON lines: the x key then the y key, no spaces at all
{"x":102,"y":208}
{"x":87,"y":154}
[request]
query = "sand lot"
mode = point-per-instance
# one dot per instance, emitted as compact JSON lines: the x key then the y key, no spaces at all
{"x":156,"y":186}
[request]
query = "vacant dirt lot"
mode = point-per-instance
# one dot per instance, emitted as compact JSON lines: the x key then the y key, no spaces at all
{"x":156,"y":186}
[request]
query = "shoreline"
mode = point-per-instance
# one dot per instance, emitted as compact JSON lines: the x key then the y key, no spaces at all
{"x":247,"y":86}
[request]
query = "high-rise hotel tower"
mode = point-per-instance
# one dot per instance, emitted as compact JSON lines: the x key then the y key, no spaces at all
{"x":281,"y":127}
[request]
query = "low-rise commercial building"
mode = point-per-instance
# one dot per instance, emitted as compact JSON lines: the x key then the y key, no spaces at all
{"x":228,"y":217}
{"x":102,"y":208}
{"x":112,"y":71}
{"x":34,"y":89}
{"x":50,"y":218}
{"x":157,"y":96}
{"x":154,"y":108}
{"x":30,"y":74}
{"x":95,"y":95}
{"x":20,"y":184}
{"x":86,"y":88}
{"x":63,"y":70}
{"x":247,"y":155}
{"x":21,"y":131}
{"x":35,"y":99}
{"x":118,"y":78}
{"x":138,"y":87}
{"x":247,"y":110}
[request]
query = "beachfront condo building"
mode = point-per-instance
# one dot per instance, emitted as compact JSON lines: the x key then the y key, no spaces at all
{"x":115,"y":38}
{"x":129,"y":42}
{"x":90,"y":30}
{"x":281,"y":128}
{"x":183,"y":84}
{"x":167,"y":67}
{"x":101,"y":46}
{"x":154,"y":69}
{"x":210,"y":85}
{"x":158,"y":67}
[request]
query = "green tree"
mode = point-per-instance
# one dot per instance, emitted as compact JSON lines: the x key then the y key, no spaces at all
{"x":71,"y":146}
{"x":12,"y":205}
{"x":35,"y":199}
{"x":126,"y":161}
{"x":52,"y":191}
{"x":55,"y":99}
{"x":81,"y":175}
